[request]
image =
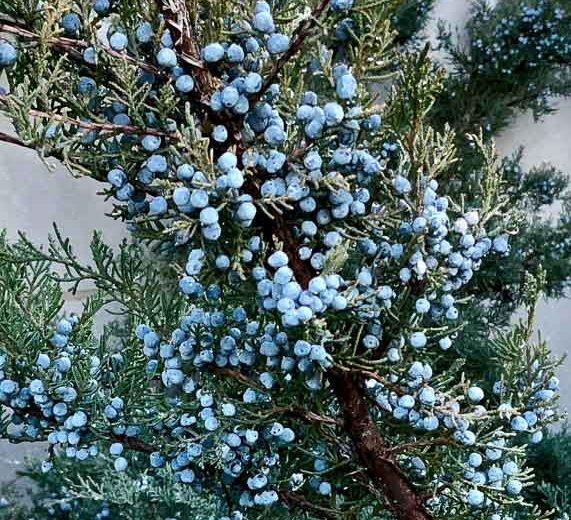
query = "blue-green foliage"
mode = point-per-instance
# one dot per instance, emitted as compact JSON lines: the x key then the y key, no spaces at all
{"x":298,"y":341}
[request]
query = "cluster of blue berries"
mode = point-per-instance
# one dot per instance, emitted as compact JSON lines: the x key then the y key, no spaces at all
{"x":493,"y":463}
{"x":62,"y":410}
{"x":529,"y":38}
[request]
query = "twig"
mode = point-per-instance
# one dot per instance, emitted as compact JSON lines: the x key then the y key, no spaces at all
{"x":73,"y":47}
{"x":305,"y":415}
{"x":297,"y":501}
{"x":103,"y":127}
{"x":372,"y":451}
{"x":89,"y":125}
{"x":178,"y":19}
{"x":6,"y":138}
{"x":440,"y":441}
{"x":300,"y":34}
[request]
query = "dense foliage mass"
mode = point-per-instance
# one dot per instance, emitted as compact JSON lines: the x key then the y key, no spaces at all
{"x":315,"y":327}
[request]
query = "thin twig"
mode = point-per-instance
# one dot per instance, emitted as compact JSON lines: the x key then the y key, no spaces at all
{"x":73,"y":47}
{"x":6,"y":138}
{"x":440,"y":441}
{"x":89,"y":125}
{"x":297,"y":501}
{"x":102,"y":127}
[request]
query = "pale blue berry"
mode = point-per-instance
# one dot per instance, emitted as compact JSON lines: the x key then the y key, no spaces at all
{"x":264,"y":22}
{"x":278,"y":43}
{"x":341,"y":5}
{"x":184,"y":83}
{"x":167,"y":58}
{"x":346,"y":86}
{"x":144,"y":32}
{"x":213,"y":53}
{"x":475,"y":498}
{"x":475,"y":394}
{"x":118,"y":41}
{"x":220,"y":134}
{"x":120,"y":464}
{"x":8,"y":54}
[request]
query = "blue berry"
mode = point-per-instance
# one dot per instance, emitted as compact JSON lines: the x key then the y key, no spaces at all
{"x":519,"y":424}
{"x":157,"y":163}
{"x":120,"y":464}
{"x":86,"y":86}
{"x":116,"y":449}
{"x":118,"y":41}
{"x":151,"y":143}
{"x":184,"y":83}
{"x":43,"y":361}
{"x":213,"y":53}
{"x":208,"y":216}
{"x":278,"y":43}
{"x":333,"y":113}
{"x":101,"y":6}
{"x":418,"y":339}
{"x":253,"y":83}
{"x":227,"y":161}
{"x":144,"y":32}
{"x":274,"y":135}
{"x":90,"y":55}
{"x":230,"y":96}
{"x":181,"y":196}
{"x":167,"y":58}
{"x":220,"y":134}
{"x":514,"y":487}
{"x":235,"y":53}
{"x":8,"y":54}
{"x":475,"y":394}
{"x":346,"y":86}
{"x":264,"y":22}
{"x":475,"y":498}
{"x":341,"y":5}
{"x":158,"y":206}
{"x":71,"y":23}
{"x":475,"y":460}
{"x":246,"y":212}
{"x":199,"y":199}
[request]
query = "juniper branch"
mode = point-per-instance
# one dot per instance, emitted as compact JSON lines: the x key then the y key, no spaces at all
{"x":300,"y":34}
{"x":72,"y":47}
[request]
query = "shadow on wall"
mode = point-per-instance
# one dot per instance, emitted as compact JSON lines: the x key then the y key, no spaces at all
{"x":33,"y":198}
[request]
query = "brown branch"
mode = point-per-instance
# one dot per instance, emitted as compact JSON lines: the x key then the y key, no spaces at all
{"x":102,"y":127}
{"x":180,"y":23}
{"x":373,"y":453}
{"x":283,"y":410}
{"x":238,"y":376}
{"x":73,"y":47}
{"x":6,"y":138}
{"x":133,"y":443}
{"x":297,"y":501}
{"x":307,"y":416}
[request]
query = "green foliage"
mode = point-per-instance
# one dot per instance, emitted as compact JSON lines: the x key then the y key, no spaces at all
{"x":516,"y":57}
{"x":512,"y":61}
{"x":410,"y":18}
{"x":77,"y":492}
{"x":143,"y":283}
{"x":552,"y":463}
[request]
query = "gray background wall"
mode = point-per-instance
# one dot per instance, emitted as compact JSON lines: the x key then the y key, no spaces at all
{"x":32,"y":198}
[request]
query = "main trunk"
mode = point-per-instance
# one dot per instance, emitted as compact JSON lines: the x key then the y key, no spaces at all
{"x":372,"y":451}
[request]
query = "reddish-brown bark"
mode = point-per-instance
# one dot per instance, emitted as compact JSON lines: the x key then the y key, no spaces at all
{"x":370,"y":447}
